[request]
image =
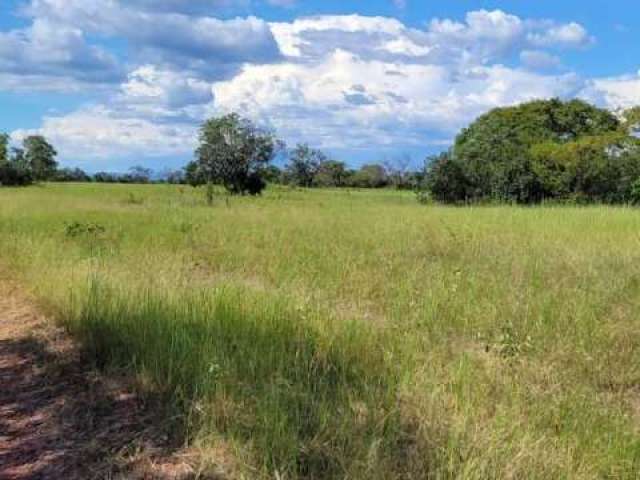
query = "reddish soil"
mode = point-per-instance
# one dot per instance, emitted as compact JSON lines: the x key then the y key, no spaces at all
{"x":60,"y":419}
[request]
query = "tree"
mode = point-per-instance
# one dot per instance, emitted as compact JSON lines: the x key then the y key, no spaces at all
{"x":599,"y":168}
{"x":272,"y":174}
{"x":445,"y":179}
{"x":105,"y":177}
{"x":495,"y":154}
{"x":4,"y":148}
{"x":631,"y":121}
{"x":370,"y":176}
{"x":304,"y":164}
{"x":72,"y":175}
{"x":234,"y":153}
{"x":41,"y":157}
{"x":173,"y":177}
{"x":399,"y":171}
{"x":15,"y":171}
{"x":138,"y":174}
{"x":331,"y":173}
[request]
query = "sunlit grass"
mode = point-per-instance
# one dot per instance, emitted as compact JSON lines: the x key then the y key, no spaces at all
{"x":334,"y":334}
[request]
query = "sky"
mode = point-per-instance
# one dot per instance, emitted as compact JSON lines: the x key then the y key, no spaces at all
{"x":116,"y":83}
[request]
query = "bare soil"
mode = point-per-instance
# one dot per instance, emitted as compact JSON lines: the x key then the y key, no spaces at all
{"x":60,"y":419}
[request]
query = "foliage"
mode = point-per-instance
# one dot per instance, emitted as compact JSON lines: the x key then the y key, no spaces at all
{"x":41,"y":157}
{"x":138,"y":174}
{"x":399,"y":172}
{"x":541,"y":150}
{"x":79,"y":229}
{"x":304,"y":164}
{"x":22,"y":166}
{"x":332,"y":173}
{"x":370,"y":176}
{"x":631,"y":121}
{"x":71,"y":175}
{"x":4,"y":148}
{"x":446,"y":180}
{"x":271,"y":174}
{"x":233,"y":152}
{"x":14,"y":169}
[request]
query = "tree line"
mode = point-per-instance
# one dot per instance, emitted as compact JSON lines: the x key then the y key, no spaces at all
{"x":544,"y":150}
{"x":233,"y":152}
{"x":236,"y":153}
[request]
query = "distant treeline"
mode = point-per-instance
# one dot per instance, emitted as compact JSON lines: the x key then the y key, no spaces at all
{"x":538,"y":151}
{"x":304,"y":167}
{"x":328,"y":174}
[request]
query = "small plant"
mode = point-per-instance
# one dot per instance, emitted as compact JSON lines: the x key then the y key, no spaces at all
{"x":133,"y":199}
{"x":512,"y":343}
{"x":80,"y":229}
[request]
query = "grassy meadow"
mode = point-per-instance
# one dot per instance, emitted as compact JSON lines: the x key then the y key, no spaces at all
{"x":352,"y":334}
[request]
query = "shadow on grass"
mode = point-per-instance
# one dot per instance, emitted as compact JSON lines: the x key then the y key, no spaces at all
{"x":58,"y":419}
{"x":307,"y":398}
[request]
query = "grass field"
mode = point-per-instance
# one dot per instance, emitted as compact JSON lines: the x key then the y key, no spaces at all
{"x":353,"y":334}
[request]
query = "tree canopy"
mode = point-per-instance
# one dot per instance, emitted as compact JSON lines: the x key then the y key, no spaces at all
{"x":545,"y":149}
{"x":41,"y":157}
{"x":22,"y":166}
{"x":233,"y":152}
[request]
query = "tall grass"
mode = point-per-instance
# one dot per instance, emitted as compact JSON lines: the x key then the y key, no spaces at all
{"x":307,"y":400}
{"x":338,"y":334}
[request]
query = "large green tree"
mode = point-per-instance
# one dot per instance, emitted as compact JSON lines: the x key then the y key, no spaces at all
{"x":494,"y":157}
{"x":233,"y":152}
{"x":41,"y":157}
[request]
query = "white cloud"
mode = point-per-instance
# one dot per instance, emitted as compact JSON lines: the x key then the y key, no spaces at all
{"x":206,"y":44}
{"x":148,"y":85}
{"x":539,"y":60}
{"x":345,"y":101}
{"x":99,"y":133}
{"x":615,"y":92}
{"x":571,"y":35}
{"x":335,"y":81}
{"x":48,"y":51}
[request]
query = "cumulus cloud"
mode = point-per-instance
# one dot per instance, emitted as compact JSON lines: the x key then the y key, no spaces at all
{"x":614,"y":92}
{"x":375,"y":102}
{"x":148,"y":85}
{"x":47,"y":51}
{"x":570,"y":35}
{"x":340,"y":82}
{"x":389,"y":84}
{"x":100,"y":133}
{"x":213,"y":47}
{"x":539,"y":60}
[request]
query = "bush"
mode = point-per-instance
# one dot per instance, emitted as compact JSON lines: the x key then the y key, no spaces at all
{"x":13,"y":175}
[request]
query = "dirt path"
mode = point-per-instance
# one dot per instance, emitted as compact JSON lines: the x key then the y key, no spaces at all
{"x":61,"y":420}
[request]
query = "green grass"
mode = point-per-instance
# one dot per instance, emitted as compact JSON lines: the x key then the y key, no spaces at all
{"x":354,"y":334}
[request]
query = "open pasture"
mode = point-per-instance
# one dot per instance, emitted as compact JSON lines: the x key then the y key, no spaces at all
{"x":352,"y":334}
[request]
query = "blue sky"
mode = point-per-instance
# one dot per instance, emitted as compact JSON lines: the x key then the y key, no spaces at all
{"x":114,"y":83}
